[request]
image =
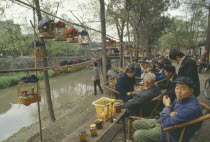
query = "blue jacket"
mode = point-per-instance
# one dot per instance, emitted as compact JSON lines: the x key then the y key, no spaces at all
{"x":124,"y":84}
{"x":160,"y":76}
{"x":187,"y":110}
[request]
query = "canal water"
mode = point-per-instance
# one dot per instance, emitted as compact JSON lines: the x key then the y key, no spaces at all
{"x":65,"y":89}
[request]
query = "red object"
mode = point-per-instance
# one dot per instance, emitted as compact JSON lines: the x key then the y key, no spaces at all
{"x":60,"y":24}
{"x":69,"y":31}
{"x":118,"y":108}
{"x":76,"y":61}
{"x":112,"y":41}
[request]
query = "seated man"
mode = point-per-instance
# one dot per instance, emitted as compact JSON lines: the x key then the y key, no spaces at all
{"x":144,"y":96}
{"x":184,"y":109}
{"x":125,"y":84}
{"x":170,"y":72}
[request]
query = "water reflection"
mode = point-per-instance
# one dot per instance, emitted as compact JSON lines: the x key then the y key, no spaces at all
{"x":65,"y":89}
{"x":15,"y":118}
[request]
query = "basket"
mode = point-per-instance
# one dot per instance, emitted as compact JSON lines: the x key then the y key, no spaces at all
{"x":104,"y":108}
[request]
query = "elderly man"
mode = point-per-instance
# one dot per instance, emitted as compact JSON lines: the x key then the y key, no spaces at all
{"x":125,"y":84}
{"x":144,"y":96}
{"x":184,"y":109}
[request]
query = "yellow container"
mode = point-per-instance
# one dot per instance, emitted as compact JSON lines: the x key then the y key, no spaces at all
{"x":104,"y":108}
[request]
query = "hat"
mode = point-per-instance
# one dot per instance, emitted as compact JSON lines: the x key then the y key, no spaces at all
{"x":185,"y":80}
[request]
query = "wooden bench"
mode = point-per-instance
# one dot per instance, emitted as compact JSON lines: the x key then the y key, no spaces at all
{"x":108,"y":128}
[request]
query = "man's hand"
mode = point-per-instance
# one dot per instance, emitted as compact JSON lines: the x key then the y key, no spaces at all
{"x":166,"y":101}
{"x":129,"y":93}
{"x":173,"y":113}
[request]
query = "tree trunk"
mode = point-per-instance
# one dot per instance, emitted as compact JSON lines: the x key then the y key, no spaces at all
{"x":208,"y":34}
{"x":137,"y":43}
{"x":46,"y":77}
{"x":103,"y":38}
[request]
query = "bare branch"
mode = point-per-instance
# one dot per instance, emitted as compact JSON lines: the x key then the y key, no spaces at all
{"x":198,"y":4}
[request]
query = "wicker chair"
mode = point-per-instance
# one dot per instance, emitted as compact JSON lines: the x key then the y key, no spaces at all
{"x":156,"y":102}
{"x":206,"y":116}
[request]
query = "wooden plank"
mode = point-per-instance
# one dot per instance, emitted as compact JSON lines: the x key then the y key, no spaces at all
{"x":109,"y":136}
{"x":74,"y":136}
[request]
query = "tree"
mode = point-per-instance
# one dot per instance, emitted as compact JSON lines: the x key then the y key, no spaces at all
{"x":46,"y":77}
{"x":117,"y":13}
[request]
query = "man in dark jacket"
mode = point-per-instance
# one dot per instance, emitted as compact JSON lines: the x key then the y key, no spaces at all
{"x":144,"y":96}
{"x":187,"y":68}
{"x":168,"y":84}
{"x":125,"y":84}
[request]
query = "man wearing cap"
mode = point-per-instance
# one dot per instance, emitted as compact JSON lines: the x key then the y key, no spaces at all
{"x":184,"y":109}
{"x":187,"y":68}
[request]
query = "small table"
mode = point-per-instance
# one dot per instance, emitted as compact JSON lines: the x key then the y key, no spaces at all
{"x":74,"y":136}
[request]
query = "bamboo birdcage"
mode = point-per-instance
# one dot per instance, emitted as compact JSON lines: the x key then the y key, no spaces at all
{"x":46,"y":28}
{"x":28,"y":93}
{"x":72,"y":35}
{"x":38,"y":51}
{"x":60,"y":31}
{"x":111,"y":44}
{"x":83,"y":38}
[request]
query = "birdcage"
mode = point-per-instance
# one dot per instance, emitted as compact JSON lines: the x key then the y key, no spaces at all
{"x":28,"y":93}
{"x":60,"y":31}
{"x":46,"y":28}
{"x":83,"y":38}
{"x":111,"y":44}
{"x":72,"y":35}
{"x":38,"y":51}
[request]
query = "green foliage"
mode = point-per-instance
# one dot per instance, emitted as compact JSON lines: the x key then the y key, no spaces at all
{"x":12,"y":79}
{"x":187,"y":32}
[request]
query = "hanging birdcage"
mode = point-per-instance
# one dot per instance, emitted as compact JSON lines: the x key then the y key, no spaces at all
{"x":111,"y":44}
{"x":60,"y":31}
{"x":46,"y":28}
{"x":83,"y":38}
{"x":38,"y":51}
{"x":72,"y":35}
{"x":28,"y":93}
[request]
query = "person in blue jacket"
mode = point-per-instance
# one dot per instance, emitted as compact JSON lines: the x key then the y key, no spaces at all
{"x":184,"y":109}
{"x":125,"y":84}
{"x":137,"y":68}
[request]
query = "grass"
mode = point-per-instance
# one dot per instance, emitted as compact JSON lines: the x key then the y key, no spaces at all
{"x":11,"y":79}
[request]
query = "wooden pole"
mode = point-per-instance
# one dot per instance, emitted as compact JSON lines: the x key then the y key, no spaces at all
{"x":35,"y":35}
{"x":103,"y":38}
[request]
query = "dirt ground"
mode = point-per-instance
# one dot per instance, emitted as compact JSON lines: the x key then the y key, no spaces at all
{"x":71,"y":116}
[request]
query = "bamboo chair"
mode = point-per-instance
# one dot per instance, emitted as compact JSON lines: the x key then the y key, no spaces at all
{"x":157,"y":101}
{"x":109,"y":86}
{"x":184,"y":125}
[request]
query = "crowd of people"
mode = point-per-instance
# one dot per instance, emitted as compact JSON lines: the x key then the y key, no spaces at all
{"x":179,"y":104}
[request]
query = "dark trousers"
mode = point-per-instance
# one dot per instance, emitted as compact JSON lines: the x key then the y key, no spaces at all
{"x":97,"y":82}
{"x":201,"y":67}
